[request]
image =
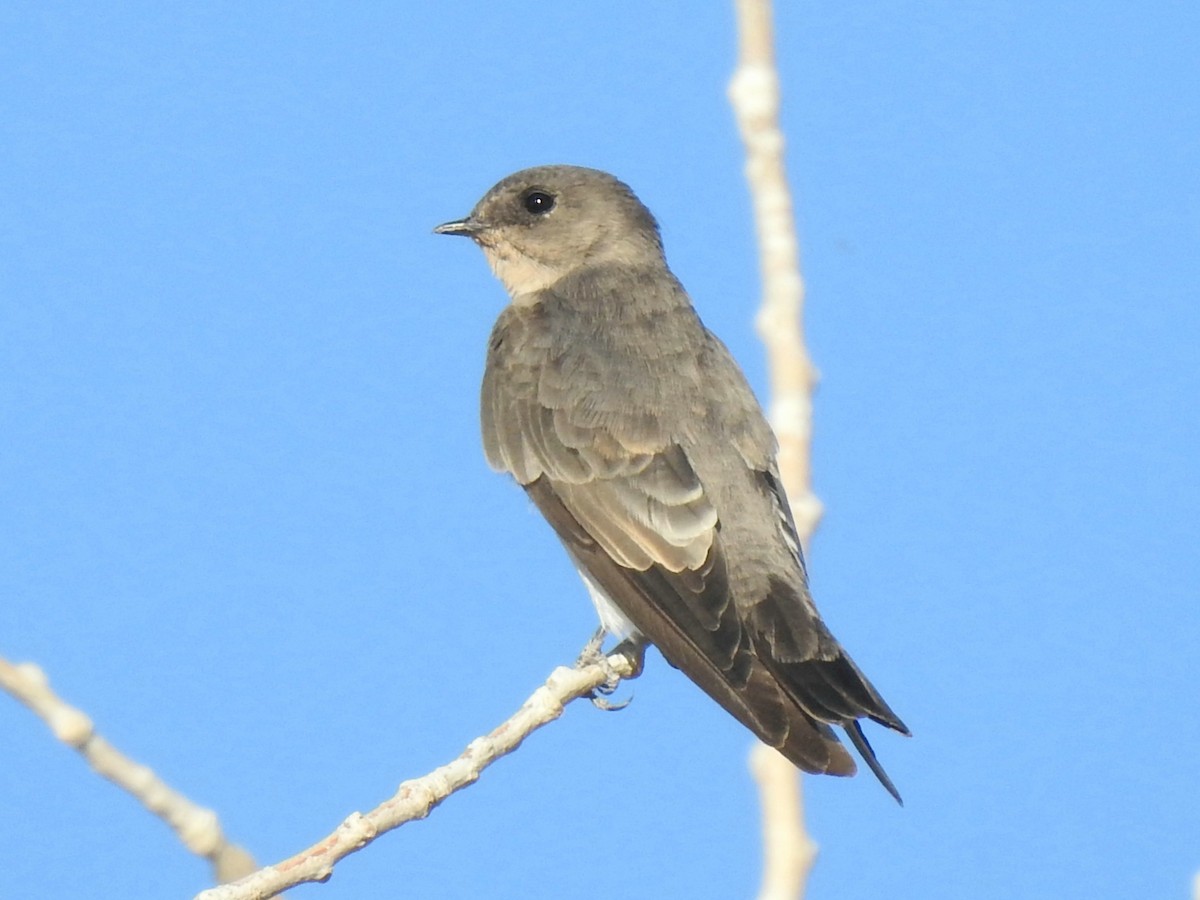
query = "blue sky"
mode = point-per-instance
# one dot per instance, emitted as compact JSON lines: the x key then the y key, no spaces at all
{"x":245,"y":521}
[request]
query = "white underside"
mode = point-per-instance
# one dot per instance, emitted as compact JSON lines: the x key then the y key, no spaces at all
{"x":612,"y":619}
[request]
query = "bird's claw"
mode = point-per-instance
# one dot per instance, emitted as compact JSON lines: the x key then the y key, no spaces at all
{"x":634,"y":651}
{"x":592,"y":651}
{"x":601,"y":692}
{"x":608,"y":705}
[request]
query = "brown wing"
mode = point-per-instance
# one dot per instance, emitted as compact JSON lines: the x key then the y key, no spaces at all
{"x":627,"y":503}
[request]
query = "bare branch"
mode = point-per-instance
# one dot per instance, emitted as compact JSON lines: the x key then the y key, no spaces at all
{"x":754,"y":93}
{"x":788,"y":852}
{"x":416,"y":798}
{"x":196,"y":826}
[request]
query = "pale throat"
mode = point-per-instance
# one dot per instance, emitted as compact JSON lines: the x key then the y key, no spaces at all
{"x":521,"y":276}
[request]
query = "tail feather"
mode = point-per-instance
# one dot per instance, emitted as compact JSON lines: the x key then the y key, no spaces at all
{"x":859,"y":740}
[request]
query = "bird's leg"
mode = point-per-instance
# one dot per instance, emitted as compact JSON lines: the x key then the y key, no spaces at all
{"x":634,"y":650}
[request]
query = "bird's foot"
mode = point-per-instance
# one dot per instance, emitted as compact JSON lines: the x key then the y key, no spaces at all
{"x":593,"y":650}
{"x":634,"y":651}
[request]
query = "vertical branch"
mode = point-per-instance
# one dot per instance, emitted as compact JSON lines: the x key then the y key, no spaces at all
{"x":788,"y":851}
{"x":754,"y":94}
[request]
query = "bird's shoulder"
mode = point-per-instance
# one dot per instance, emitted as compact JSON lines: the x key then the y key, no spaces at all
{"x":602,"y":309}
{"x":624,"y":348}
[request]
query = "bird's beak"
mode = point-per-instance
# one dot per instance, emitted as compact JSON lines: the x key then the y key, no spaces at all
{"x":468,"y":227}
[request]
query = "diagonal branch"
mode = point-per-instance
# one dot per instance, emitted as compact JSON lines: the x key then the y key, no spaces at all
{"x":416,"y":798}
{"x":788,"y":851}
{"x":195,"y":826}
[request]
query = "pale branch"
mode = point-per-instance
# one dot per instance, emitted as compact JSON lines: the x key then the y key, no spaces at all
{"x":195,"y":826}
{"x":788,"y":851}
{"x":416,"y":798}
{"x":754,"y":94}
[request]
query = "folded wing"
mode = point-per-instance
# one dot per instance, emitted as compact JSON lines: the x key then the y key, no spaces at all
{"x":629,"y":507}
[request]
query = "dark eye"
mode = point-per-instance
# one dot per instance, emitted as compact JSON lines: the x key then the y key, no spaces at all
{"x":538,"y":202}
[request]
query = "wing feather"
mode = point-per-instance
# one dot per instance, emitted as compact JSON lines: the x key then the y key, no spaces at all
{"x":637,"y":517}
{"x":628,"y":503}
{"x":700,"y":633}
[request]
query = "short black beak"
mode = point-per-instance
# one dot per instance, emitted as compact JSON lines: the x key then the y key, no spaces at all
{"x":467,"y":227}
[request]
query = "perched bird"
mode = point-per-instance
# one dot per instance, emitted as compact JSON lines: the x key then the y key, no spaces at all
{"x":636,"y":435}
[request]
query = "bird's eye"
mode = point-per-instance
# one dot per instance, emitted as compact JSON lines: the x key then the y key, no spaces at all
{"x":538,"y":202}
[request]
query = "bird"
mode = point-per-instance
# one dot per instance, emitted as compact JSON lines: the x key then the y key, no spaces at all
{"x":635,"y":433}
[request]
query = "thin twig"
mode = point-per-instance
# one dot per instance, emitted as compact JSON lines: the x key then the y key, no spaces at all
{"x":195,"y":826}
{"x":788,"y":851}
{"x":416,"y":798}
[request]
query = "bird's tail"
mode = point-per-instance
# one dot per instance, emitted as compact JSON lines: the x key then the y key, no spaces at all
{"x":863,"y":746}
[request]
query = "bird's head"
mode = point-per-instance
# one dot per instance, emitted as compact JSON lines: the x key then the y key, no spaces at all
{"x":539,"y":225}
